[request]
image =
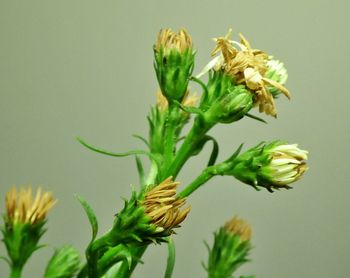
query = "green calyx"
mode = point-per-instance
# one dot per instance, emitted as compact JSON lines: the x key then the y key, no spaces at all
{"x":173,"y":69}
{"x":64,"y":263}
{"x":252,"y":167}
{"x":21,"y":240}
{"x":227,"y":254}
{"x":225,"y":102}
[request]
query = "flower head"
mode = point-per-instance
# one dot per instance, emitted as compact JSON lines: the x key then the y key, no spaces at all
{"x":247,"y":66}
{"x":24,"y":222}
{"x":230,"y":249}
{"x":273,"y":166}
{"x":173,"y":63}
{"x":24,"y":208}
{"x":240,"y":227}
{"x":163,"y":207}
{"x":169,"y":40}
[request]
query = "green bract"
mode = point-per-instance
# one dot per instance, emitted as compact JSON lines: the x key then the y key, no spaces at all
{"x":173,"y":69}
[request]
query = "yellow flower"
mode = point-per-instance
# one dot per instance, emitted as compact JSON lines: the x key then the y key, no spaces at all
{"x":168,"y":40}
{"x":23,"y":208}
{"x":163,"y":207}
{"x":240,"y":227}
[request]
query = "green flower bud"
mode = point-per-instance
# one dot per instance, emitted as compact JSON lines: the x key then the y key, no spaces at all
{"x":174,"y":61}
{"x":24,"y":223}
{"x":230,"y":250}
{"x":64,"y":263}
{"x":272,"y":166}
{"x":225,"y":101}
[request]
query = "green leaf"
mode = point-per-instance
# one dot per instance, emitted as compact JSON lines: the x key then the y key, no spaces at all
{"x":171,"y":259}
{"x":189,"y":109}
{"x":198,"y":81}
{"x":91,"y":215}
{"x":140,"y":170}
{"x":144,"y":140}
{"x":133,"y":152}
{"x":6,"y":260}
{"x":214,"y":152}
{"x":256,"y":118}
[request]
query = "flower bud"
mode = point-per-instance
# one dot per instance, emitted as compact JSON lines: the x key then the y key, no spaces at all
{"x":273,"y":166}
{"x":225,"y":102}
{"x":174,"y":61}
{"x":230,"y":250}
{"x":24,"y":223}
{"x":64,"y":263}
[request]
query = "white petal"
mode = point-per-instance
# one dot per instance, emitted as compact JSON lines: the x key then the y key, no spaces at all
{"x":218,"y":60}
{"x":284,"y":161}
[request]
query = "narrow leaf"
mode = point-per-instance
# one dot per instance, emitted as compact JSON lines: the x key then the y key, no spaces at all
{"x":214,"y":152}
{"x":133,"y":152}
{"x":6,"y":260}
{"x":140,"y":170}
{"x":144,"y":140}
{"x":91,"y":215}
{"x":256,"y":118}
{"x":171,"y":259}
{"x":188,"y":109}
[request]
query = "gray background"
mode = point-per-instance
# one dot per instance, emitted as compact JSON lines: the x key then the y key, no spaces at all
{"x":84,"y":68}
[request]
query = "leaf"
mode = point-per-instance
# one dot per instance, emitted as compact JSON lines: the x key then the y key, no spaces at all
{"x":91,"y":215}
{"x":189,"y":109}
{"x":198,"y":81}
{"x":214,"y":152}
{"x":140,"y":170}
{"x":144,"y":140}
{"x":133,"y":152}
{"x":6,"y":260}
{"x":256,"y":118}
{"x":171,"y":259}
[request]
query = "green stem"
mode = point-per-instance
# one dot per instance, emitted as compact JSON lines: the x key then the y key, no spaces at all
{"x":171,"y":259}
{"x":196,"y":133}
{"x":16,"y":272}
{"x":169,"y":136}
{"x":206,"y":175}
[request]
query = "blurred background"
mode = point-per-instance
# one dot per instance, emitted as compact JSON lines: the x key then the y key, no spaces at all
{"x":84,"y":68}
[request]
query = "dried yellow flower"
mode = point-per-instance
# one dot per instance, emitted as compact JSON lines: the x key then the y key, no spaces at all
{"x":22,"y":207}
{"x":163,"y":207}
{"x":239,"y":227}
{"x":167,"y":40}
{"x":247,"y":66}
